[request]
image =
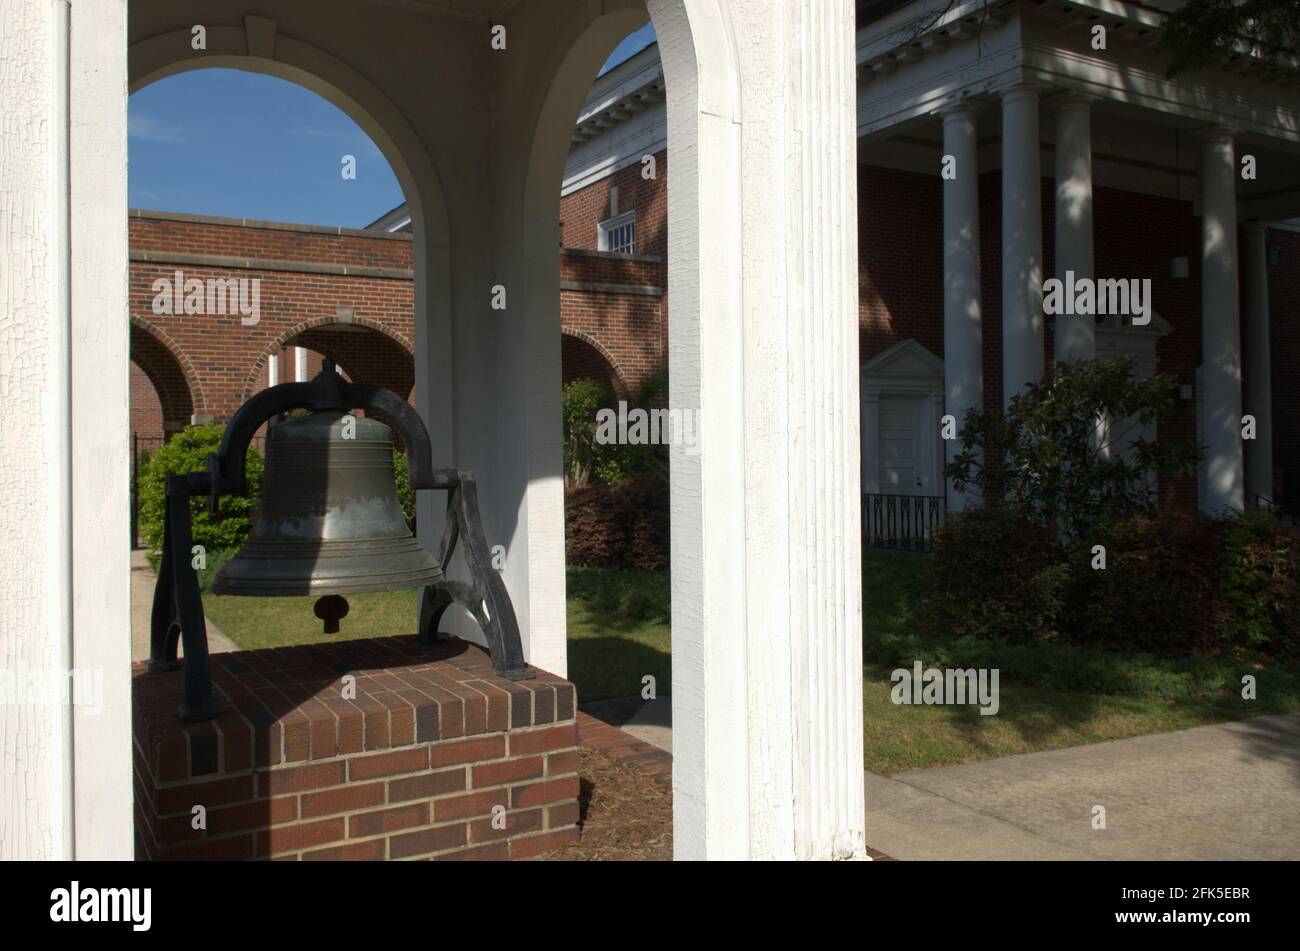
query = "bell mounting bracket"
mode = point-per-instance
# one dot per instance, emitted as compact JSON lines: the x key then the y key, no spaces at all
{"x":177,"y":615}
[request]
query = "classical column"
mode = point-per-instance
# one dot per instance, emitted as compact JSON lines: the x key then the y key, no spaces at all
{"x":1259,"y":396}
{"x":963,"y":364}
{"x":1075,"y":335}
{"x":300,"y":374}
{"x":273,"y":370}
{"x":1022,"y":243}
{"x":1220,"y":332}
{"x":65,"y":789}
{"x":764,"y":343}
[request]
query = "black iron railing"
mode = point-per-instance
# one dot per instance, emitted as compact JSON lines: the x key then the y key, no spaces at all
{"x":905,"y":522}
{"x":1264,"y":504}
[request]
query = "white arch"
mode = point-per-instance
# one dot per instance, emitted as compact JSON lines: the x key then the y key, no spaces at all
{"x":712,"y":711}
{"x":258,"y":47}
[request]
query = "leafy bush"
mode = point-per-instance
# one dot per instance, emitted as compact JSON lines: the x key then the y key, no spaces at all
{"x":586,"y":459}
{"x":623,"y":526}
{"x":993,"y":573}
{"x":1174,"y":585}
{"x":405,"y":494}
{"x":188,"y":452}
{"x":1044,"y":456}
{"x":1261,"y":583}
{"x":581,"y":399}
{"x":1161,"y":589}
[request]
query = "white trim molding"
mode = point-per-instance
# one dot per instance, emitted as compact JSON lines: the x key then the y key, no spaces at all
{"x":906,"y":369}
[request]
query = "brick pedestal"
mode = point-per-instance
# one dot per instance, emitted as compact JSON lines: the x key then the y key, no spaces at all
{"x":410,"y":765}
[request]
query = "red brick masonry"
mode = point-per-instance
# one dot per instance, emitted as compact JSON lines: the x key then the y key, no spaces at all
{"x":410,"y":768}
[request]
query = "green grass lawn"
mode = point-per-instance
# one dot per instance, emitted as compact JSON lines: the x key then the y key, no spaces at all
{"x":618,"y":625}
{"x":1051,"y":696}
{"x":618,"y":632}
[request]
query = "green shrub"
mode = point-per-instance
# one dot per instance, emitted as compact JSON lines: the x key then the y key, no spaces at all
{"x":1043,"y":456}
{"x":188,"y":452}
{"x":1161,"y":589}
{"x":1261,"y":584}
{"x":993,"y":573}
{"x":405,"y":494}
{"x":1174,"y":585}
{"x":588,"y":461}
{"x":623,"y":526}
{"x":581,"y":399}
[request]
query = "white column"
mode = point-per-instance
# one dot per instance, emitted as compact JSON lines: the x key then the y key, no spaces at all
{"x":763,"y":341}
{"x":1022,"y":243}
{"x":65,"y":788}
{"x":1075,"y":336}
{"x":300,"y":365}
{"x":963,"y":346}
{"x":1220,"y":331}
{"x":1259,"y":378}
{"x":273,"y":370}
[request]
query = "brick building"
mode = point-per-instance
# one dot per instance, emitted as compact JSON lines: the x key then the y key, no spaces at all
{"x":343,"y":292}
{"x":349,"y":292}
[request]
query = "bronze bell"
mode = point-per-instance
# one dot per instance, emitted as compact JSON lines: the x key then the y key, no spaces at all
{"x":329,"y":522}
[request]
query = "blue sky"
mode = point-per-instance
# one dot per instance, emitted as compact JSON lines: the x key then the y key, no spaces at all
{"x":226,"y":142}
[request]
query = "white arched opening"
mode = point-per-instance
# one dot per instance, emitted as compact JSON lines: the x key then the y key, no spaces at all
{"x":257,"y":46}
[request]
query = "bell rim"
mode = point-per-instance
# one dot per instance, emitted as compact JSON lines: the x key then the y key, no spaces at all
{"x":272,"y":588}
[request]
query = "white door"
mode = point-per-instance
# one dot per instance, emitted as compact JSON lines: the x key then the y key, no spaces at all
{"x":904,"y":463}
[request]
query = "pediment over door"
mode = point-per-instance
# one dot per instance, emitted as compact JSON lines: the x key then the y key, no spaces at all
{"x":906,"y":364}
{"x":1116,"y":339}
{"x":902,"y":402}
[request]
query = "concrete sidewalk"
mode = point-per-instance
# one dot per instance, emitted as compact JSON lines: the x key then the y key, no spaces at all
{"x":650,"y":721}
{"x":1230,"y":791}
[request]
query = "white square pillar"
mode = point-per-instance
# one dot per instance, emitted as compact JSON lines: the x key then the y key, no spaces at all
{"x":763,"y":343}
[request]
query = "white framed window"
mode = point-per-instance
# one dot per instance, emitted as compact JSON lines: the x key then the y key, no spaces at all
{"x":617,"y":234}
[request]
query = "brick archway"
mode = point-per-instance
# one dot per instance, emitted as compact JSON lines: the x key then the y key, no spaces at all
{"x":380,"y":355}
{"x":582,"y":355}
{"x":180,"y":393}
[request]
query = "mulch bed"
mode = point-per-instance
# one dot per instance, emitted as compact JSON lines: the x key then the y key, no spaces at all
{"x":624,"y":816}
{"x":625,"y":799}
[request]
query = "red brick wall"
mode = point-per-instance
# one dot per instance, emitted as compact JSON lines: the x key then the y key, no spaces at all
{"x":632,"y":331}
{"x":221,"y":361}
{"x":279,"y":244}
{"x":900,"y":273}
{"x":428,"y":755}
{"x":146,"y":410}
{"x":581,"y":360}
{"x":582,"y":210}
{"x":205,"y":364}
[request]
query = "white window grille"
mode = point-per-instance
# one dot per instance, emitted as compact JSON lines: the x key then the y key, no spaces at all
{"x":618,"y":234}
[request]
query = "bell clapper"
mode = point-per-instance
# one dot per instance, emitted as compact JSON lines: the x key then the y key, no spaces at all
{"x":331,"y":609}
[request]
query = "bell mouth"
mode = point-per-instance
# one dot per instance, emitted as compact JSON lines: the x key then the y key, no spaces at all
{"x":284,"y":569}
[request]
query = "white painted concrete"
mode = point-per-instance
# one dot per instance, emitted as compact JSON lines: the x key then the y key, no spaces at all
{"x":766,"y":559}
{"x":65,"y":791}
{"x":1259,"y":366}
{"x":963,"y":314}
{"x":1022,"y":243}
{"x":766,"y":563}
{"x":1220,"y":330}
{"x":1074,"y":336}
